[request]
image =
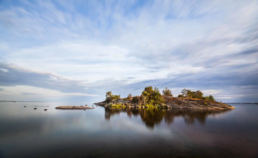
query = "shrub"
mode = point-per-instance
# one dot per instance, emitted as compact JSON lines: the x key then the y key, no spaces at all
{"x":135,"y":100}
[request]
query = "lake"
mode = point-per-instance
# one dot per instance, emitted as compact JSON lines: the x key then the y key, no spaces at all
{"x":25,"y":132}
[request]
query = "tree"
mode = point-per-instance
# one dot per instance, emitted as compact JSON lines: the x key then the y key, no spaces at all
{"x":167,"y":93}
{"x":157,"y":97}
{"x":193,"y":94}
{"x":188,"y":93}
{"x":129,"y":97}
{"x":206,"y":98}
{"x":147,"y":93}
{"x":211,"y":98}
{"x":115,"y":97}
{"x":184,"y":92}
{"x":152,"y":96}
{"x":199,"y":94}
{"x":111,"y":97}
{"x":108,"y":94}
{"x":142,"y":98}
{"x":180,"y":96}
{"x":135,"y":99}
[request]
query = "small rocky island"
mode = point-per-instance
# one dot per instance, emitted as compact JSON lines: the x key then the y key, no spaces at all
{"x":152,"y":98}
{"x":74,"y":107}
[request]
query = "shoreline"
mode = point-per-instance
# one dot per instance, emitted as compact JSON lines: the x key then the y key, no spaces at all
{"x":183,"y":104}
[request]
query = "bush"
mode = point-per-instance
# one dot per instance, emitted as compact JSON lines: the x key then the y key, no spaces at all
{"x":110,"y":97}
{"x":152,"y":96}
{"x":135,"y":100}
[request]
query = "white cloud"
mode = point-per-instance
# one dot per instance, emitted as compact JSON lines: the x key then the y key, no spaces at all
{"x":52,"y":78}
{"x":35,"y":92}
{"x":4,"y":70}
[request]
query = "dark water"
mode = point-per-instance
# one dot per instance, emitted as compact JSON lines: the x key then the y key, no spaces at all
{"x":25,"y":132}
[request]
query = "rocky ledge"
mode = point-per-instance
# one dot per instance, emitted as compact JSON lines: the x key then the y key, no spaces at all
{"x":173,"y":104}
{"x":197,"y":104}
{"x":73,"y":107}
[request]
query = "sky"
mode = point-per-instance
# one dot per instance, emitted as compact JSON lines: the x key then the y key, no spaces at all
{"x":79,"y":50}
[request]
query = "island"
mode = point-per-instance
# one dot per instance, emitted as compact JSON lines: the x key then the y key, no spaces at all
{"x":152,"y":98}
{"x":74,"y":107}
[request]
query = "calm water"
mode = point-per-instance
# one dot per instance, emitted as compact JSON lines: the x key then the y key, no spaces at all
{"x":25,"y":132}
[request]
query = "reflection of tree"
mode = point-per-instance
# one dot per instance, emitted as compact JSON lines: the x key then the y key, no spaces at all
{"x":112,"y":111}
{"x":152,"y":117}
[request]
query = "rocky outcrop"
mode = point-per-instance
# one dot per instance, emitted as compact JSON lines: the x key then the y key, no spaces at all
{"x":174,"y":104}
{"x":73,"y":107}
{"x":198,"y":104}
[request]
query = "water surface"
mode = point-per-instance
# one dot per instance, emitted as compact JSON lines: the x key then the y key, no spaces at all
{"x":25,"y":132}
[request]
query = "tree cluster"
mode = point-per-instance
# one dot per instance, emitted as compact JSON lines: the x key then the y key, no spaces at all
{"x":152,"y":96}
{"x":186,"y":93}
{"x":209,"y":98}
{"x":167,"y":93}
{"x":110,"y":97}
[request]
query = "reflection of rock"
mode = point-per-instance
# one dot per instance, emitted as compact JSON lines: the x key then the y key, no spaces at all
{"x":152,"y":117}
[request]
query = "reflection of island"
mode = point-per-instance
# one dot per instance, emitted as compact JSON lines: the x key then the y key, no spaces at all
{"x":153,"y":117}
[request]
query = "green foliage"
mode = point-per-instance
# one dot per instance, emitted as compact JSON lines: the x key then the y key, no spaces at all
{"x":167,"y":93}
{"x":108,"y":94}
{"x":199,"y":94}
{"x":191,"y":94}
{"x":135,"y":99}
{"x":119,"y":105}
{"x":150,"y":106}
{"x":187,"y":93}
{"x":180,"y":96}
{"x":152,"y":96}
{"x":209,"y":98}
{"x":115,"y":97}
{"x":129,"y":97}
{"x":111,"y":97}
{"x":184,"y":92}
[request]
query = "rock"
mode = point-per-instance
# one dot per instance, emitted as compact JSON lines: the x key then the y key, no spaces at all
{"x":73,"y":107}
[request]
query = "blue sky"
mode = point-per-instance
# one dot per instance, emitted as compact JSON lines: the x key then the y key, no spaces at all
{"x":52,"y":50}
